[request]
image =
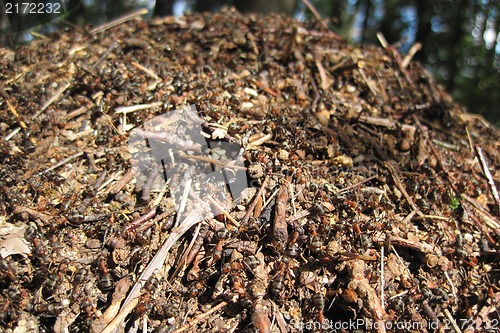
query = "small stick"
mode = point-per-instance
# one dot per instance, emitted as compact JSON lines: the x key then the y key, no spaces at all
{"x":446,"y":145}
{"x":118,"y":21}
{"x":322,"y":73}
{"x":408,"y":217}
{"x":14,"y":112}
{"x":75,"y":113}
{"x":471,"y":146}
{"x":213,"y":161}
{"x":33,"y":213}
{"x":62,"y":162}
{"x":260,"y":141}
{"x":141,"y":220}
{"x":183,"y":261}
{"x":395,"y":55}
{"x":269,"y":199}
{"x":430,"y":217}
{"x":197,"y":244}
{"x":292,"y":197}
{"x":201,"y":317}
{"x":453,"y":289}
{"x":122,"y":182}
{"x":266,"y":88}
{"x":175,"y":141}
{"x":107,"y":182}
{"x":157,"y":219}
{"x":280,"y":226}
{"x":226,"y":214}
{"x":487,"y":174}
{"x":386,"y":123}
{"x":113,"y":325}
{"x":299,"y":215}
{"x":137,"y":107}
{"x":161,"y":194}
{"x":104,"y":56}
{"x":12,"y":134}
{"x":345,"y":256}
{"x":452,"y":321}
{"x":260,"y":318}
{"x":348,"y":188}
{"x":38,"y":35}
{"x":146,"y":70}
{"x":194,"y":217}
{"x":372,"y":88}
{"x":110,"y":122}
{"x":51,"y":100}
{"x":316,"y":13}
{"x":249,"y":212}
{"x":401,"y":188}
{"x":371,"y":302}
{"x":382,"y":282}
{"x":402,"y":263}
{"x":402,"y":242}
{"x":317,"y":96}
{"x":413,"y":50}
{"x":150,"y":183}
{"x":489,"y":220}
{"x":289,"y":45}
{"x":182,"y":205}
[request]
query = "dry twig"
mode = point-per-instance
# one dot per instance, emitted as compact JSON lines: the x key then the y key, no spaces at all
{"x":201,"y":317}
{"x":225,"y":212}
{"x":280,"y":226}
{"x":401,"y":188}
{"x":117,"y":187}
{"x":193,"y":217}
{"x":398,"y":241}
{"x":487,"y":174}
{"x":51,"y":100}
{"x":316,"y":13}
{"x":62,"y":162}
{"x":118,"y":21}
{"x":250,"y":208}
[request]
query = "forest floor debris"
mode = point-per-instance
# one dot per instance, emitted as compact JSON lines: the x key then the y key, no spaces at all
{"x":347,"y":185}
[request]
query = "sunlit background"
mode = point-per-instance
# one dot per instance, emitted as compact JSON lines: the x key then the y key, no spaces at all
{"x":460,"y":38}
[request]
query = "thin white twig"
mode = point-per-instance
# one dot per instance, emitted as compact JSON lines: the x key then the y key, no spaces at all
{"x":452,"y":321}
{"x":11,"y":134}
{"x":118,"y":21}
{"x":62,"y":162}
{"x":487,"y":174}
{"x":226,"y":214}
{"x":260,"y":141}
{"x":184,"y":198}
{"x":382,"y":283}
{"x":453,"y":289}
{"x":194,"y":216}
{"x":146,"y":70}
{"x":201,"y":317}
{"x":268,"y":201}
{"x":137,"y":107}
{"x":145,"y":324}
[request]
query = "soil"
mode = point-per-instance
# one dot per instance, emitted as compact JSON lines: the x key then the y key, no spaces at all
{"x":371,"y":203}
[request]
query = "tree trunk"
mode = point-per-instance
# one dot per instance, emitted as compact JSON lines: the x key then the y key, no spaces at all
{"x":163,"y":7}
{"x":425,"y":12}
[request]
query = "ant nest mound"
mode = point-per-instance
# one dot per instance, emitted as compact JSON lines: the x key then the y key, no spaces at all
{"x":369,"y":197}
